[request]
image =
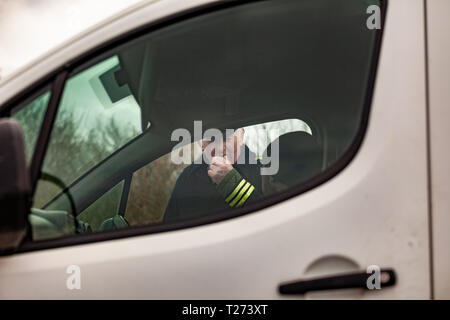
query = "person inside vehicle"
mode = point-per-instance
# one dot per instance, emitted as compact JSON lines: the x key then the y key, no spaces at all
{"x":230,"y":180}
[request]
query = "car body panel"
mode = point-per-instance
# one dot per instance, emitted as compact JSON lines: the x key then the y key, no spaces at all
{"x":439,"y":98}
{"x":127,"y":20}
{"x":374,"y":212}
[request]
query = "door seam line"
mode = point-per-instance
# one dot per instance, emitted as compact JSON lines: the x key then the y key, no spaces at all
{"x":428,"y":148}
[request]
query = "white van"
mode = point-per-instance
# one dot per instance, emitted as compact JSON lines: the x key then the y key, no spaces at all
{"x":352,"y":94}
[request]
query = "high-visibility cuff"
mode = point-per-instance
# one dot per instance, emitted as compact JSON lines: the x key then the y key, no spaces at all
{"x":235,"y":189}
{"x":229,"y":183}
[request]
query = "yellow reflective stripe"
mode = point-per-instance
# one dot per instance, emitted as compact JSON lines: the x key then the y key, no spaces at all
{"x":240,"y":194}
{"x":244,"y":198}
{"x":231,"y":196}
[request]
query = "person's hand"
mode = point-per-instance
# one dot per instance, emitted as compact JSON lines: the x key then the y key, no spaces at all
{"x":219,"y":168}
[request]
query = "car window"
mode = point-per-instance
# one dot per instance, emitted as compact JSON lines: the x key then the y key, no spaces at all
{"x":104,"y":208}
{"x":30,"y":115}
{"x":94,"y":120}
{"x":211,"y":114}
{"x":153,"y":184}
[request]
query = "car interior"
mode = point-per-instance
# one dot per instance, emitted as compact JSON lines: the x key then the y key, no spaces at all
{"x":226,"y":69}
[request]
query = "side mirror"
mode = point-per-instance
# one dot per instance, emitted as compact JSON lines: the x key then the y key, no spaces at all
{"x":15,"y":185}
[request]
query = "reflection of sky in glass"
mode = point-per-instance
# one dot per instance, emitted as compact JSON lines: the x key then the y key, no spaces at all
{"x":90,"y":106}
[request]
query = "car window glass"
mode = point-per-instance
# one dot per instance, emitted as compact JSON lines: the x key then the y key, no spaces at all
{"x":94,"y":120}
{"x":30,"y":114}
{"x":104,"y":208}
{"x":211,"y":114}
{"x":153,"y":184}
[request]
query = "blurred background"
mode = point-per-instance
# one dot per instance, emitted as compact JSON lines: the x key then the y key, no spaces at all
{"x":29,"y":28}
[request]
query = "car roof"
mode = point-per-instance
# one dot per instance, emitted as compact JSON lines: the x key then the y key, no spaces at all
{"x":75,"y":37}
{"x":122,"y":22}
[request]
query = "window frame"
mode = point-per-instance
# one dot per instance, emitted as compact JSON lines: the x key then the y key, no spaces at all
{"x":58,"y":77}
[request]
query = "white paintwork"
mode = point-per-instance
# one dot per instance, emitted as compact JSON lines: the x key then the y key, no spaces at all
{"x":29,"y":28}
{"x":126,"y":20}
{"x":439,"y":75}
{"x":373,"y":212}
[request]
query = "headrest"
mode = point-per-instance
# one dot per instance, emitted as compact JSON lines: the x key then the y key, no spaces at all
{"x":300,"y":157}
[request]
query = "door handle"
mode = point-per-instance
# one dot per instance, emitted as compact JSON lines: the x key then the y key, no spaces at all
{"x":339,"y":281}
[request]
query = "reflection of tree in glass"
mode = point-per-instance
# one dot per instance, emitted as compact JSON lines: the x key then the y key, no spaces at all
{"x":151,"y":188}
{"x":30,"y":118}
{"x":69,"y":154}
{"x":103,"y":208}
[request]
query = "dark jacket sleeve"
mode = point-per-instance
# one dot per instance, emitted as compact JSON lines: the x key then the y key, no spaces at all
{"x":238,"y":190}
{"x":172,"y":212}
